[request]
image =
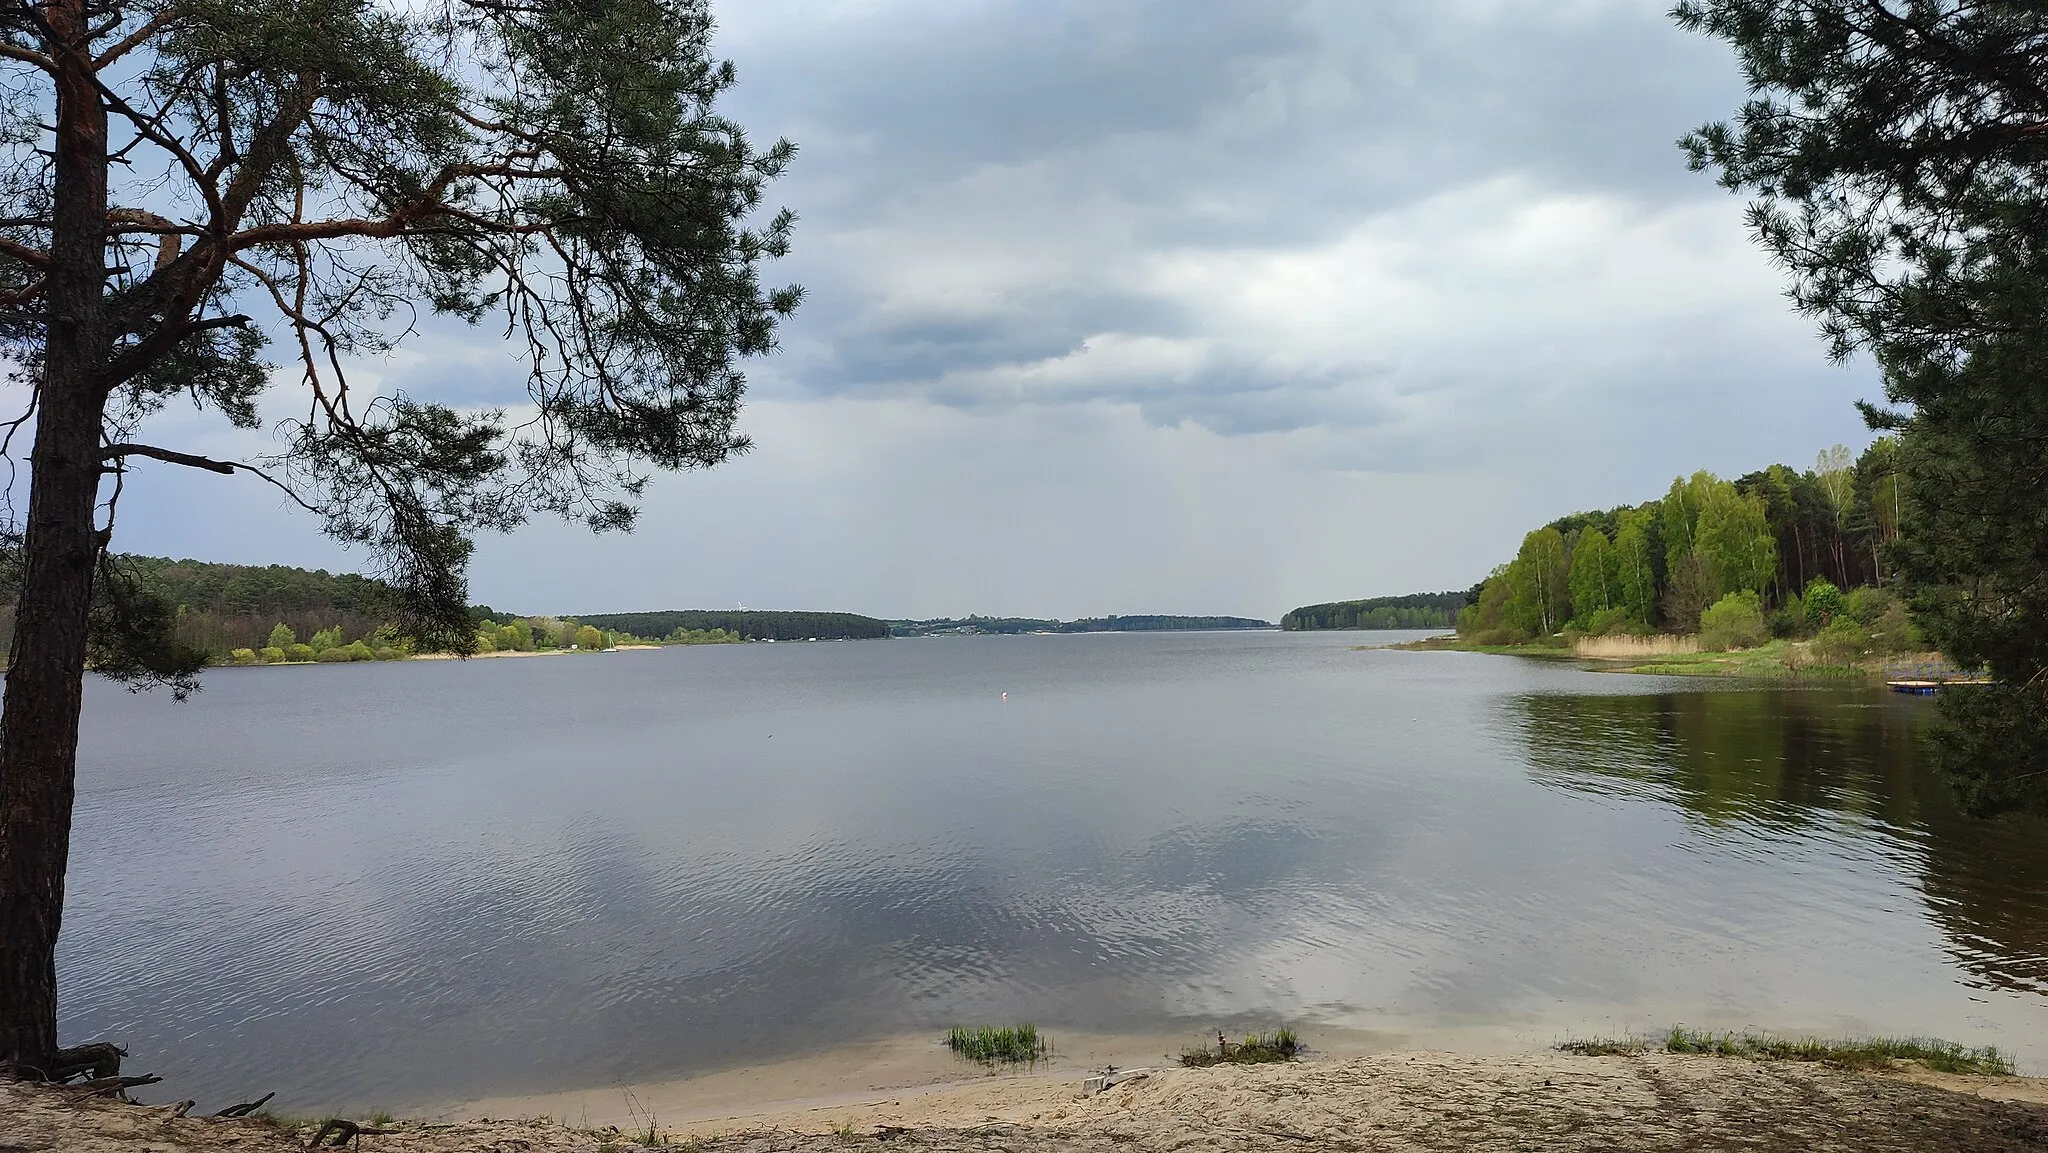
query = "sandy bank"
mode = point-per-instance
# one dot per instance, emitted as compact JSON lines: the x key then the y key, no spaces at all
{"x":1391,"y":1102}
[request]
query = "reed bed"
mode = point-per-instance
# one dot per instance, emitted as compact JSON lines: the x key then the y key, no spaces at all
{"x":1000,"y":1045}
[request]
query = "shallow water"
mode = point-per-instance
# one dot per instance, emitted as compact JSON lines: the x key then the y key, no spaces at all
{"x":377,"y":884}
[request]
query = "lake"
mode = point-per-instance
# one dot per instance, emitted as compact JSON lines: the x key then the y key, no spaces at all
{"x":372,"y":884}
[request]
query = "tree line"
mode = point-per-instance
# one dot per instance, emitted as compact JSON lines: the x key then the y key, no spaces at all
{"x":974,"y":625}
{"x":746,"y":624}
{"x":1412,"y":611}
{"x":1773,"y":552}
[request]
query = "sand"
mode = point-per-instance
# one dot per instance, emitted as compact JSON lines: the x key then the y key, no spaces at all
{"x":1397,"y":1103}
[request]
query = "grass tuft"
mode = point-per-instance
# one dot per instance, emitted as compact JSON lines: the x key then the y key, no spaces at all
{"x":1852,"y":1053}
{"x":1255,"y":1049}
{"x":1000,"y":1045}
{"x":1602,"y":1047}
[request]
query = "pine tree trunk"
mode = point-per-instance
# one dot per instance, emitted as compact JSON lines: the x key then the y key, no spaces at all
{"x":46,"y":669}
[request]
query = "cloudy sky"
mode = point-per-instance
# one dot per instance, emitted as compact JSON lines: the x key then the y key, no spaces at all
{"x":1189,"y":306}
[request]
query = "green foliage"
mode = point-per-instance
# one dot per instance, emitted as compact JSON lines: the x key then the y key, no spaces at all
{"x":298,"y":652}
{"x":1635,"y":568}
{"x":1593,"y":585}
{"x":1736,"y":621}
{"x":271,"y":654}
{"x":1789,"y":618}
{"x":358,"y":651}
{"x":1008,"y":1044}
{"x":1539,"y":580}
{"x":1413,"y":611}
{"x":487,"y":642}
{"x":339,"y":654}
{"x":1842,"y":642}
{"x":589,"y":638}
{"x":242,"y":657}
{"x":1824,"y":602}
{"x":753,"y":625}
{"x":1610,"y":621}
{"x":325,"y":639}
{"x":1899,"y":179}
{"x":281,"y":637}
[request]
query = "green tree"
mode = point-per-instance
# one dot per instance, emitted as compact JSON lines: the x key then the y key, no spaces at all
{"x":1634,"y":569}
{"x":589,"y":638}
{"x":1895,"y":154}
{"x":1593,"y":586}
{"x":281,"y":637}
{"x":1539,"y":579}
{"x":1735,"y":541}
{"x":325,"y":639}
{"x":184,"y":177}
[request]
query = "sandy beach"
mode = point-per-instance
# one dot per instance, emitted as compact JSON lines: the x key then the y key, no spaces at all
{"x":1395,"y":1102}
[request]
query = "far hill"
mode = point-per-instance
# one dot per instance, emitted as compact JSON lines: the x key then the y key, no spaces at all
{"x":749,"y":624}
{"x":974,"y":625}
{"x":1414,"y":611}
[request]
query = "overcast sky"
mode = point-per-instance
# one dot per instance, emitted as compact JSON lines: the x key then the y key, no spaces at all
{"x":1185,"y":306}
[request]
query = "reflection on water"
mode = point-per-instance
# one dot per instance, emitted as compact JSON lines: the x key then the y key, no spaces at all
{"x":374,"y":885}
{"x":1841,"y":763}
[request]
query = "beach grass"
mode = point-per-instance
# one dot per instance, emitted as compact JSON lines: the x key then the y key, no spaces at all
{"x":1255,"y":1049}
{"x":1850,"y":1053}
{"x":1000,"y":1044}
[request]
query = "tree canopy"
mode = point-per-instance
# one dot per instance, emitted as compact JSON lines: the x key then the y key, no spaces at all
{"x":1897,"y":153}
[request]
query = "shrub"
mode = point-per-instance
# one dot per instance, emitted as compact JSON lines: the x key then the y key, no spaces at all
{"x":486,"y":642}
{"x":1789,"y":619}
{"x":1865,"y":605}
{"x":1823,"y":602}
{"x":387,"y":653}
{"x":1841,"y":643}
{"x":589,"y":638}
{"x":242,"y":657}
{"x":281,"y":637}
{"x":298,"y":652}
{"x":336,"y":655}
{"x":358,"y":651}
{"x":271,"y":654}
{"x":1894,"y":631}
{"x":326,"y":638}
{"x":1736,"y":621}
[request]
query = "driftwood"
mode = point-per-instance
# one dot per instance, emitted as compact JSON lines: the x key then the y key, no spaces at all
{"x":99,"y":1085}
{"x":100,"y":1059}
{"x":183,"y":1108}
{"x":246,"y":1107}
{"x":337,"y":1132}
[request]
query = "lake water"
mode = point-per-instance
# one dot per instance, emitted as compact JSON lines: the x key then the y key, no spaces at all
{"x":376,"y":884}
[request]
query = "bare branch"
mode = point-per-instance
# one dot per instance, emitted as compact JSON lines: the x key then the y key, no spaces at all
{"x":117,"y":452}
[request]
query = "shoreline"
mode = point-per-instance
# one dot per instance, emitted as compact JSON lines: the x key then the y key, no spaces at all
{"x":1764,"y":663}
{"x":1413,"y":1100}
{"x":912,"y":1082}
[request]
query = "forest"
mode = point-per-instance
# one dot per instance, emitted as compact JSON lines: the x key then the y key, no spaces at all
{"x":746,"y":624}
{"x":1413,"y":611}
{"x":1776,"y":552}
{"x":277,"y":614}
{"x":978,"y":625}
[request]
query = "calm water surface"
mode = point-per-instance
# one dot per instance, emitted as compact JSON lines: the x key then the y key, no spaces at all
{"x":388,"y":883}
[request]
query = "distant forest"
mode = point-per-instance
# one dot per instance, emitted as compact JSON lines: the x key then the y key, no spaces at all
{"x":1414,"y":611}
{"x":748,"y":624}
{"x":977,"y":625}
